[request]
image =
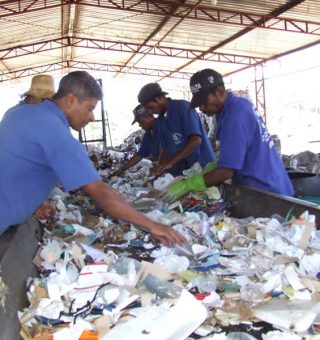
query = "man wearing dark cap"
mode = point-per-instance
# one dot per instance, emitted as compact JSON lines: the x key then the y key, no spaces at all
{"x":247,"y":153}
{"x":183,"y":138}
{"x":150,"y":145}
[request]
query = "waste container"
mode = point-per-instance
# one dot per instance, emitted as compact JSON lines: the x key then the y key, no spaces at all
{"x":306,"y":186}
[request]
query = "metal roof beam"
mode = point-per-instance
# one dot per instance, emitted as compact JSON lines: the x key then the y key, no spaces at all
{"x":163,"y":51}
{"x":212,"y":14}
{"x":278,"y":56}
{"x":278,"y":11}
{"x":167,"y":8}
{"x":81,"y":65}
{"x":154,"y":32}
{"x":10,"y":8}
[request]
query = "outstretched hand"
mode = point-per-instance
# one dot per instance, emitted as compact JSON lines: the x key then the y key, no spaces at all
{"x":166,"y":235}
{"x":160,"y":168}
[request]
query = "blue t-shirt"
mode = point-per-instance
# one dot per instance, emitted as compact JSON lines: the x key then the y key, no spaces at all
{"x":37,"y":150}
{"x":21,"y":102}
{"x":176,"y":126}
{"x":151,"y":145}
{"x":247,"y":147}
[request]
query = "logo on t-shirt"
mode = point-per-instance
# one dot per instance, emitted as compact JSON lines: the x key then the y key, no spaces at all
{"x":177,"y":138}
{"x":265,"y":135}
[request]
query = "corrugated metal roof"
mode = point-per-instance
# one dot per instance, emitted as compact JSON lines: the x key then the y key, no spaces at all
{"x":169,"y":36}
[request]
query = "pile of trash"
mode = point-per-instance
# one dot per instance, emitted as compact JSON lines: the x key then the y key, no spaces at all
{"x":100,"y":278}
{"x":305,"y":161}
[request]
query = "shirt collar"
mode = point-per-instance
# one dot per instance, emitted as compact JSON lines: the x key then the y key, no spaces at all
{"x":225,"y":105}
{"x":50,"y":105}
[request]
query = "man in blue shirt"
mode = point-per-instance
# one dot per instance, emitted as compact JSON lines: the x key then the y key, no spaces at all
{"x":247,"y":153}
{"x":150,"y":145}
{"x":42,"y":87}
{"x":37,"y":150}
{"x":183,"y":138}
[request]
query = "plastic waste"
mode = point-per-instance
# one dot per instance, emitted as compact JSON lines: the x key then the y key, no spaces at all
{"x":173,"y":263}
{"x":163,"y":289}
{"x":252,"y":293}
{"x":123,"y":264}
{"x":162,"y":182}
{"x":240,"y":336}
{"x":65,"y":229}
{"x":130,"y":235}
{"x":260,"y":258}
{"x":51,"y":252}
{"x":206,"y":283}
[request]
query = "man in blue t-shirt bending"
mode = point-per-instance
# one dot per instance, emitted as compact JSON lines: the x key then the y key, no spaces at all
{"x":247,"y":153}
{"x":37,"y":150}
{"x":184,"y":141}
{"x":150,"y":145}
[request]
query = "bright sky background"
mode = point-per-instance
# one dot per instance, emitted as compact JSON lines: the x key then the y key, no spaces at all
{"x":292,"y":98}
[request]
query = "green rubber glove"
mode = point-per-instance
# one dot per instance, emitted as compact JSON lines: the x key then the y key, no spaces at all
{"x":210,"y":166}
{"x":178,"y":189}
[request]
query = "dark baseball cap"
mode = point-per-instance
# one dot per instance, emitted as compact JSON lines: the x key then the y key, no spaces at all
{"x":202,"y":83}
{"x":149,"y":92}
{"x":139,"y":112}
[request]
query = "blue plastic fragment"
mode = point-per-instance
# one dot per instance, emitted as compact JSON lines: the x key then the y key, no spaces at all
{"x":136,"y":243}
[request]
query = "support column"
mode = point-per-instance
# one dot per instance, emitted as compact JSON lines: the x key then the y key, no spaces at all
{"x":260,"y":91}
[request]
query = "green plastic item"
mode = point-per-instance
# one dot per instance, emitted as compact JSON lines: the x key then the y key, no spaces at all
{"x":188,"y":275}
{"x":65,"y":229}
{"x":210,"y":166}
{"x":178,"y":189}
{"x":231,"y":287}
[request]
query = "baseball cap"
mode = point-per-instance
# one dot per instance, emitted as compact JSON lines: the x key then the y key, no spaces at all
{"x":42,"y":87}
{"x":149,"y":92}
{"x":139,"y":112}
{"x":202,"y":83}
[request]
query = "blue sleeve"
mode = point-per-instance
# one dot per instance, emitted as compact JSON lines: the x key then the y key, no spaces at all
{"x":235,"y":138}
{"x":72,"y":166}
{"x":145,"y":147}
{"x":191,"y":121}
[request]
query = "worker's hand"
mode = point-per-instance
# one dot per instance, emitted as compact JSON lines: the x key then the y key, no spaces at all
{"x":166,"y":235}
{"x":180,"y":188}
{"x":160,"y":168}
{"x":46,"y":211}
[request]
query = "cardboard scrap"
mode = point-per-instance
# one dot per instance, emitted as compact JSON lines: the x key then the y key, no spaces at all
{"x":150,"y":268}
{"x":305,"y":239}
{"x":313,"y":285}
{"x":281,"y":259}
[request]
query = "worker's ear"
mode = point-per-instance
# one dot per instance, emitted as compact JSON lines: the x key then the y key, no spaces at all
{"x":71,"y":99}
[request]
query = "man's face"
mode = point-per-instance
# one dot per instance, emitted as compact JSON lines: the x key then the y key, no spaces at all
{"x":146,"y":122}
{"x":80,"y":114}
{"x":157,"y":106}
{"x":213,"y":104}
